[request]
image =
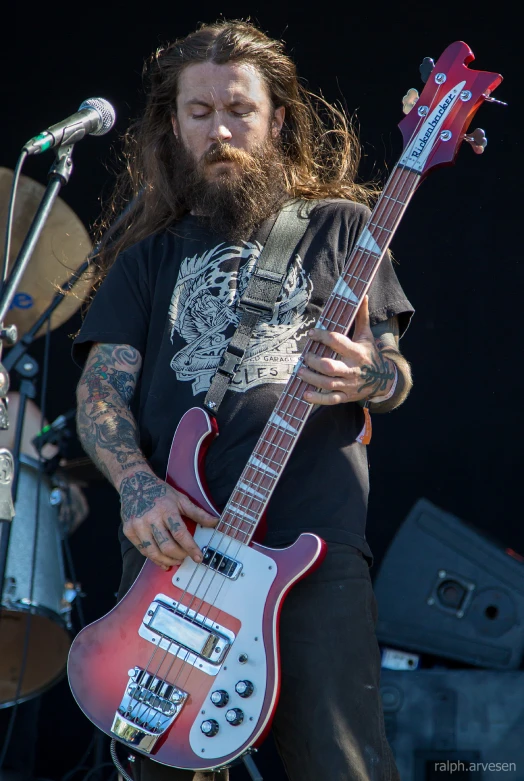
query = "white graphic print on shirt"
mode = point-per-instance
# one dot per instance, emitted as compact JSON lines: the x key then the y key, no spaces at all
{"x":204,"y":305}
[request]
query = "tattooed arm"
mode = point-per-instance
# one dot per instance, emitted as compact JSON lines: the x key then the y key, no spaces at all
{"x":386,"y":337}
{"x":364,"y":367}
{"x":151,"y":510}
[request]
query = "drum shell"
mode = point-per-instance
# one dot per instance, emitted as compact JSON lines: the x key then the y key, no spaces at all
{"x":35,"y":599}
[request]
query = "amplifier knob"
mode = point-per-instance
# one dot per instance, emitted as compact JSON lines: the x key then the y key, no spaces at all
{"x":219,"y":698}
{"x":235,"y":716}
{"x":209,"y":727}
{"x":244,"y":688}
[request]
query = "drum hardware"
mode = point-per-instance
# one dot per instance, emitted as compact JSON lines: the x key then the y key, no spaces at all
{"x":26,"y":296}
{"x":60,"y":244}
{"x":34,"y":614}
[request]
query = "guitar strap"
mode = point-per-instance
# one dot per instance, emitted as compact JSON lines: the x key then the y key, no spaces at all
{"x":260,"y":296}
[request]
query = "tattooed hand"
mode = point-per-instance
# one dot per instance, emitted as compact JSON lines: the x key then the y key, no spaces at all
{"x":152,"y":514}
{"x":359,"y":371}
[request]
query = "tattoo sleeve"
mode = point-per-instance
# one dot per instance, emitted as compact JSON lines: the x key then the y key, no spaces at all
{"x":387,"y":336}
{"x":106,"y":427}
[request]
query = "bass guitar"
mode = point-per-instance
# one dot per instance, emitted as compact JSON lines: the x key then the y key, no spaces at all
{"x":185,"y":669}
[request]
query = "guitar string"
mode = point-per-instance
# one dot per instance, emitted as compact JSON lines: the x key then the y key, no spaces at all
{"x":271,"y":444}
{"x":251,"y":498}
{"x":334,"y":299}
{"x":358,"y":273}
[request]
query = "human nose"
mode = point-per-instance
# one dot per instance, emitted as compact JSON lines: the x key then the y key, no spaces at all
{"x":219,"y":130}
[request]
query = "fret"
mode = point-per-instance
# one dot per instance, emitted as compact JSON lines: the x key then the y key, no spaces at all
{"x":250,"y":489}
{"x":258,"y":464}
{"x":381,"y":227}
{"x":231,"y":523}
{"x":395,"y":200}
{"x":258,"y":479}
{"x":367,"y":243}
{"x":238,"y":498}
{"x":265,"y":455}
{"x":240,"y":512}
{"x":269,"y":443}
{"x":289,"y":414}
{"x":280,"y":422}
{"x":358,"y":279}
{"x":281,"y":432}
{"x":342,"y":290}
{"x":342,"y":300}
{"x":328,"y":320}
{"x":222,"y":524}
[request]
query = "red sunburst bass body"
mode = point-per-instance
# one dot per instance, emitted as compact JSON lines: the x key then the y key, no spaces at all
{"x":185,"y":668}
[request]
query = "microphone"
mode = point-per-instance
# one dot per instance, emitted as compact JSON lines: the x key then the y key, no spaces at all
{"x":95,"y":117}
{"x":49,"y":432}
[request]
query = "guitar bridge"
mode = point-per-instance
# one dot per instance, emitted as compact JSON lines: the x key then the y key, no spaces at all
{"x":148,"y":708}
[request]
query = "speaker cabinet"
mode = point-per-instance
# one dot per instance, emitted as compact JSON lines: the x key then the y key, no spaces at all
{"x":455,"y":724}
{"x":445,"y":589}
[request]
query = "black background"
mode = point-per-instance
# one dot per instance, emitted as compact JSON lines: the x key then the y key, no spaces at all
{"x":457,"y":441}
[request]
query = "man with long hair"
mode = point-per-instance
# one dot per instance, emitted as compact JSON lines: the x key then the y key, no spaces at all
{"x":227,"y":137}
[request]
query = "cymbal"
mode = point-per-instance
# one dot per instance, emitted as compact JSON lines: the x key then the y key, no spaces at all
{"x":62,"y":247}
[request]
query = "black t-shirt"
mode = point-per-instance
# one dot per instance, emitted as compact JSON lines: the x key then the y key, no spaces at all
{"x":173,"y":297}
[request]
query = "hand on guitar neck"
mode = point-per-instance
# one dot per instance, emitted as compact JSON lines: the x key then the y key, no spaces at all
{"x":367,"y":367}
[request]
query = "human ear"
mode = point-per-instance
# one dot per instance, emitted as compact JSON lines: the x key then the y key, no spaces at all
{"x":277,"y":121}
{"x":174,"y":125}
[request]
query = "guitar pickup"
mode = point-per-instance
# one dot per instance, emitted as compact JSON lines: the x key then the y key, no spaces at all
{"x":183,"y":632}
{"x":221,"y":563}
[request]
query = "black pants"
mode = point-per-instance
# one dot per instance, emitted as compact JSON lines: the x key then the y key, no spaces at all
{"x":329,"y":722}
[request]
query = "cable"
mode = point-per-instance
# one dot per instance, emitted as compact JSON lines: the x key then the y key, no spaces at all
{"x":10,"y":215}
{"x":117,"y":763}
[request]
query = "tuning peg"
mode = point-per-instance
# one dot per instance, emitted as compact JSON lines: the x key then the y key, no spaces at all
{"x":493,"y":100}
{"x":409,"y":100}
{"x":478,"y":140}
{"x":425,"y":68}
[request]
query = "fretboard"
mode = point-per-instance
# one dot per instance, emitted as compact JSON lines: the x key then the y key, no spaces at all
{"x":264,"y":468}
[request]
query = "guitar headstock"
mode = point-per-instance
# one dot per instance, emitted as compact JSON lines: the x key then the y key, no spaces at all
{"x":438,"y":120}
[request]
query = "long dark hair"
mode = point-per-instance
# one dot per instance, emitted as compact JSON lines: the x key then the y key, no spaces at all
{"x":320,"y":147}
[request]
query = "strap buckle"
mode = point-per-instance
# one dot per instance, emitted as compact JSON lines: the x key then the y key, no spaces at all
{"x":269,"y":276}
{"x":229,"y":364}
{"x":254,"y":307}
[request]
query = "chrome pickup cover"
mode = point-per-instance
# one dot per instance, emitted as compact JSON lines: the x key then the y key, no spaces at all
{"x":225,"y":565}
{"x":186,"y":634}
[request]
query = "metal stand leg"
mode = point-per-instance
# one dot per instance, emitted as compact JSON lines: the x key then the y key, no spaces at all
{"x":251,"y":768}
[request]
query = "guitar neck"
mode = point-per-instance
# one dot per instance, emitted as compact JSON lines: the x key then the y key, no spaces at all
{"x":253,"y":490}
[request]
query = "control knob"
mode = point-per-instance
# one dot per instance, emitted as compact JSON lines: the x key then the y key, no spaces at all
{"x":209,"y":727}
{"x":219,"y":698}
{"x":235,"y":716}
{"x":244,"y":688}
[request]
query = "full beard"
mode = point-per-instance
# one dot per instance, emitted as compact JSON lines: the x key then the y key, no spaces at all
{"x":238,"y":197}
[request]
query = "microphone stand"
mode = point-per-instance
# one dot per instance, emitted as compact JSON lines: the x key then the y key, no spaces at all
{"x":59,"y":175}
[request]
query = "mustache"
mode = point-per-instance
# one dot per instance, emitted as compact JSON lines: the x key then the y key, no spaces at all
{"x":219,"y":152}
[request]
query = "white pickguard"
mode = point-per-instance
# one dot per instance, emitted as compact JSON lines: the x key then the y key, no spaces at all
{"x":243,"y":598}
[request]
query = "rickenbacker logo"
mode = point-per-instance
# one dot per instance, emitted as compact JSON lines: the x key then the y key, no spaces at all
{"x":417,"y":152}
{"x":433,"y":123}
